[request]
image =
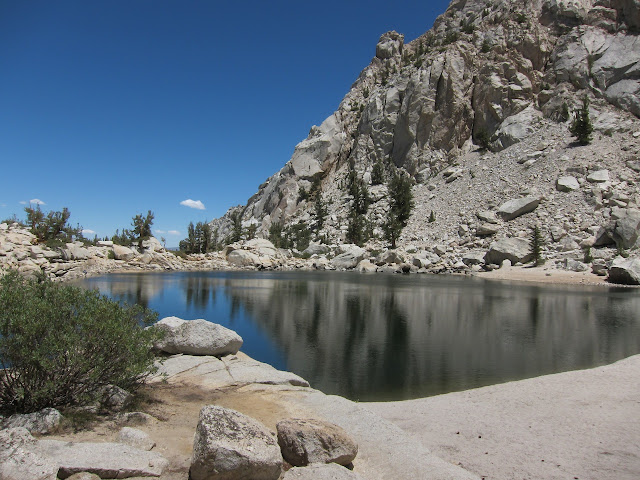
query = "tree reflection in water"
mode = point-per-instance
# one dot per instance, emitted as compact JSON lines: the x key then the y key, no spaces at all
{"x":391,"y":336}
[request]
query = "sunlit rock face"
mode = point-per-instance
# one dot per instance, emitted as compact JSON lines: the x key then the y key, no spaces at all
{"x":506,"y":76}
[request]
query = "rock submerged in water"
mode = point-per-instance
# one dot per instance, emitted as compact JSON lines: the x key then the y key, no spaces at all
{"x":229,"y":445}
{"x":196,"y":337}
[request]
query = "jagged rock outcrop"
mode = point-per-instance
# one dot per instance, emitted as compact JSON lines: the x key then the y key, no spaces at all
{"x":504,"y":76}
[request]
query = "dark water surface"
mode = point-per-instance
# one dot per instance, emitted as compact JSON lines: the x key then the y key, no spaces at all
{"x":393,"y":337}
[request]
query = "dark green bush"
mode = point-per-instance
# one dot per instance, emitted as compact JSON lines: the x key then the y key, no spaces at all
{"x":59,"y":345}
{"x":482,"y":139}
{"x":377,"y":173}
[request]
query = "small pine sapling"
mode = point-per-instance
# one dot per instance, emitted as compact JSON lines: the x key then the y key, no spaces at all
{"x":536,"y":243}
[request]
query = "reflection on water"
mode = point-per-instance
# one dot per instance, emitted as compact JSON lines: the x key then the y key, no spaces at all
{"x":389,"y":337}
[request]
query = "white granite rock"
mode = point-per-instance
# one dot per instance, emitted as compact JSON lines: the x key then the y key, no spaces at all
{"x":196,"y":337}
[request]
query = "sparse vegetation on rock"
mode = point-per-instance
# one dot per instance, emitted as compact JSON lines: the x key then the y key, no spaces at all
{"x":142,"y":226}
{"x":51,"y":228}
{"x":581,"y":126}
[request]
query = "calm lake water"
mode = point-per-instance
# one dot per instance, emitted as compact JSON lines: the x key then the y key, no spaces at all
{"x":392,"y":337}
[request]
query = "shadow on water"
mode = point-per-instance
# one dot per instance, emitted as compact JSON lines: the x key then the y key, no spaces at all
{"x":384,"y":337}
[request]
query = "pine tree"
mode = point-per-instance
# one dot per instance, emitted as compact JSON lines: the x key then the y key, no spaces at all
{"x":400,"y":207}
{"x":275,"y":235}
{"x":357,"y":188}
{"x":236,"y":226}
{"x":356,"y":229}
{"x":535,"y":244}
{"x":377,"y":173}
{"x":141,"y":227}
{"x":581,"y":126}
{"x":321,"y":212}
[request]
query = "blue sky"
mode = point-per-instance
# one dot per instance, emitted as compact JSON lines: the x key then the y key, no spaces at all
{"x":113,"y":108}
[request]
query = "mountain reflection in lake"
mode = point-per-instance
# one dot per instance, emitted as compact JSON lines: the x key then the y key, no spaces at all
{"x":392,"y":337}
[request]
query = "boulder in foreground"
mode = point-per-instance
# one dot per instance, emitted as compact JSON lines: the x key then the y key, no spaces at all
{"x":305,"y":441}
{"x":230,"y":445}
{"x":196,"y":337}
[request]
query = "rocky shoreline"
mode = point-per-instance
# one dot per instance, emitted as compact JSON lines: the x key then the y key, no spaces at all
{"x":250,"y":421}
{"x":19,"y":250}
{"x":253,"y":421}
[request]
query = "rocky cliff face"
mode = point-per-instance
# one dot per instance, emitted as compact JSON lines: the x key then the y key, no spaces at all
{"x":502,"y":72}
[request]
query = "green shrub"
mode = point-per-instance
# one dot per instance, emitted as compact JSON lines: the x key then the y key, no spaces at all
{"x":451,"y":37}
{"x":59,"y":345}
{"x":468,"y":28}
{"x":482,"y":139}
{"x":178,"y":253}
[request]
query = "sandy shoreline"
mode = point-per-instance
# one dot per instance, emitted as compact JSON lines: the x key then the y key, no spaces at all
{"x":582,"y":424}
{"x":546,"y":275}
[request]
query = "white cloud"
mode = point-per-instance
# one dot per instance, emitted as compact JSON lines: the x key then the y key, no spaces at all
{"x":173,"y":232}
{"x":197,"y":204}
{"x":37,"y":201}
{"x":23,"y":202}
{"x":88,"y":231}
{"x":3,"y":205}
{"x":159,"y":231}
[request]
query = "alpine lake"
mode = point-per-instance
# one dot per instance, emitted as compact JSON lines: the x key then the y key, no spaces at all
{"x":379,"y":337}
